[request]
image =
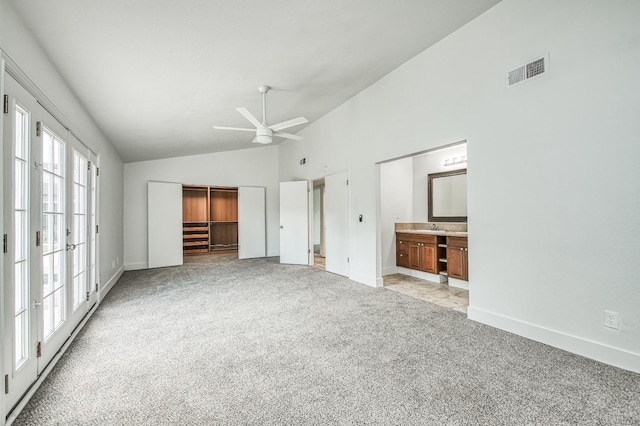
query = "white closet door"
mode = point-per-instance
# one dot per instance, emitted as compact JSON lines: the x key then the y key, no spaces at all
{"x":336,"y":219}
{"x":251,"y":223}
{"x":294,"y":222}
{"x":165,"y":224}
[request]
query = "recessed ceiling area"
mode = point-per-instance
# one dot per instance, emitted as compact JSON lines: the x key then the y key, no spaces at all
{"x":156,"y":75}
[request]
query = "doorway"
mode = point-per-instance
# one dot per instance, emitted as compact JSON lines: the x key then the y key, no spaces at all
{"x":300,"y":232}
{"x":404,"y":200}
{"x":319,"y":248}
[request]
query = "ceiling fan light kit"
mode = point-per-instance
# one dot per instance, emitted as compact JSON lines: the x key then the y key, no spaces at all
{"x":265,"y":133}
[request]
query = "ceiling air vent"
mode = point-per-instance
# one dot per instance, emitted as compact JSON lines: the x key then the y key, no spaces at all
{"x":534,"y":68}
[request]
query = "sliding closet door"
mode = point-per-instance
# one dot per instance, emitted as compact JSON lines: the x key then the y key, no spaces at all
{"x":165,"y":224}
{"x":251,"y":222}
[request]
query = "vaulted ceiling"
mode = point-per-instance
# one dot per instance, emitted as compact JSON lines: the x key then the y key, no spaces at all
{"x":156,"y":75}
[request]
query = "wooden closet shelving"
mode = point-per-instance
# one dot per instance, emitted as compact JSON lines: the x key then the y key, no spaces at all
{"x":210,"y":219}
{"x":224,"y":218}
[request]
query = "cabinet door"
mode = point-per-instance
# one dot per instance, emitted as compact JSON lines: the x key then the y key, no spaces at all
{"x":414,"y":251}
{"x":402,"y":254}
{"x":428,"y":258}
{"x":465,"y":265}
{"x":456,"y":262}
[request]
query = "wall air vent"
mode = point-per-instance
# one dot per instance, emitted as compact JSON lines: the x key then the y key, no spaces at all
{"x":532,"y":69}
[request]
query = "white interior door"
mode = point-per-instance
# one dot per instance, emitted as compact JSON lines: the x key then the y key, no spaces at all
{"x":294,"y":222}
{"x":165,"y":224}
{"x":251,"y":222}
{"x":336,"y":219}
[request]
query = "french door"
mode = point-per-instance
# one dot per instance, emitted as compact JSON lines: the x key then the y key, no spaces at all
{"x":49,"y":201}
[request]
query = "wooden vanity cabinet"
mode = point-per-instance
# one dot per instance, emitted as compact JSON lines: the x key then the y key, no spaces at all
{"x":415,"y":251}
{"x":457,"y":258}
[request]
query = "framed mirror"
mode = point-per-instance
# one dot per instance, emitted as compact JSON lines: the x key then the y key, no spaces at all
{"x":447,"y":195}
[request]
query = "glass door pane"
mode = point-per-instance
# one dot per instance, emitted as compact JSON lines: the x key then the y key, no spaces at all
{"x":93,"y":205}
{"x":53,"y":233}
{"x":79,"y":229}
{"x":21,"y":238}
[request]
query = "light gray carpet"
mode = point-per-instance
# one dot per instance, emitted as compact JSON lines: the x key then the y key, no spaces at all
{"x":222,"y":341}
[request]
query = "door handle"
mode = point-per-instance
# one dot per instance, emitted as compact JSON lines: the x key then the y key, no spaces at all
{"x":36,"y":304}
{"x":281,"y":226}
{"x":71,"y":247}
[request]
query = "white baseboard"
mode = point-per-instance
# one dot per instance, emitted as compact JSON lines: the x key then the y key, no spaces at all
{"x":574,"y":344}
{"x":365,"y":279}
{"x":136,"y":266}
{"x":273,"y":253}
{"x":389,"y":270}
{"x":454,"y":282}
{"x":109,"y":284}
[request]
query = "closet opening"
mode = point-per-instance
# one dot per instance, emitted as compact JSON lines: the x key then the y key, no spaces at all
{"x":209,"y":219}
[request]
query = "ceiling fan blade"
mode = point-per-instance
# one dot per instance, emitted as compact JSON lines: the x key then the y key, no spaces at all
{"x":249,"y":117}
{"x":233,"y":128}
{"x":288,"y":136}
{"x":288,"y":123}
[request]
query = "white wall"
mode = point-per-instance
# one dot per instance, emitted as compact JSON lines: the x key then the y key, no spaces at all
{"x":554,"y":184}
{"x":18,"y":43}
{"x":396,"y":205}
{"x":250,"y":167}
{"x":424,"y":165}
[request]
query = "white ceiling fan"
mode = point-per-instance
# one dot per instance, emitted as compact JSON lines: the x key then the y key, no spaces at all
{"x":265,"y":133}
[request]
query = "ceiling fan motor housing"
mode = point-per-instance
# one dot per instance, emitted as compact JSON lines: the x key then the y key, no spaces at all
{"x":264,"y":135}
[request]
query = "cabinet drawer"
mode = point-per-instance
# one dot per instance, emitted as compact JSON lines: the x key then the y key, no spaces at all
{"x":459,"y":242}
{"x":403,"y":237}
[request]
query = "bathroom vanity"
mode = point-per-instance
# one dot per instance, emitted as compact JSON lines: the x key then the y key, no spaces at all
{"x":437,"y":255}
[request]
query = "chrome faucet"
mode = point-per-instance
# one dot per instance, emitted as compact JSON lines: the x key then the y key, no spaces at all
{"x":434,"y":226}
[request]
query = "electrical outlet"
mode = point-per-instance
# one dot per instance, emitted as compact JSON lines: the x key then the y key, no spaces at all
{"x":612,"y":320}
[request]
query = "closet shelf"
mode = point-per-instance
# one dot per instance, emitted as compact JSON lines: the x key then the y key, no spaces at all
{"x":194,"y":243}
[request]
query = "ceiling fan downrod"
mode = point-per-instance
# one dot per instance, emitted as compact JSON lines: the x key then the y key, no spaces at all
{"x":264,"y":90}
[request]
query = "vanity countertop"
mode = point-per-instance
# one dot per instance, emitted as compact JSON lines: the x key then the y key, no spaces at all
{"x":430,"y":232}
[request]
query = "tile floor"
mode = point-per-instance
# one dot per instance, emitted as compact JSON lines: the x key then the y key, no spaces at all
{"x":438,"y":294}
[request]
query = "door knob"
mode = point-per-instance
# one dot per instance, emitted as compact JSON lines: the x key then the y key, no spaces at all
{"x":281,"y":227}
{"x":71,"y":247}
{"x":36,"y":304}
